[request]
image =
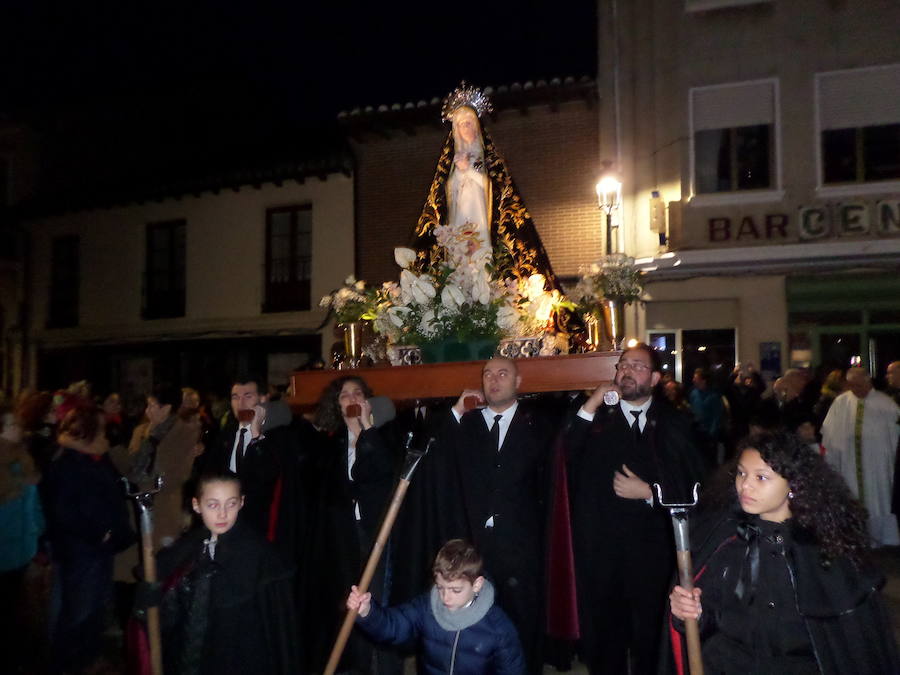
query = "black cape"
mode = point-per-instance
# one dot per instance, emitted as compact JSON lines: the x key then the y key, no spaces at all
{"x":234,"y":613}
{"x":840,"y":602}
{"x":517,"y":245}
{"x":338,"y":544}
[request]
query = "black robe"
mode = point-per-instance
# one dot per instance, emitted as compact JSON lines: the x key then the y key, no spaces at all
{"x":838,"y":602}
{"x":432,"y":510}
{"x":513,"y":485}
{"x":339,"y":545}
{"x":624,"y":553}
{"x":232,"y":614}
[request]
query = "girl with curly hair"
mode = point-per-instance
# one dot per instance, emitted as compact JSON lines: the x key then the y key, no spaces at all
{"x":783,"y":585}
{"x":354,"y":468}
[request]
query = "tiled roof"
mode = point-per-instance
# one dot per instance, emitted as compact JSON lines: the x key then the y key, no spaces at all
{"x":506,"y":96}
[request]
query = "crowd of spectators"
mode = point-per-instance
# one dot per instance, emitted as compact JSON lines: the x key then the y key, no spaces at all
{"x":316,"y":486}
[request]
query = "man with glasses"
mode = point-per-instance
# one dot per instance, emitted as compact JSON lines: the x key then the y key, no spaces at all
{"x":619,"y":445}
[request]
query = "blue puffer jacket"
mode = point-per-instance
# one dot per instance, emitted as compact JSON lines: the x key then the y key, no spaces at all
{"x":475,"y":640}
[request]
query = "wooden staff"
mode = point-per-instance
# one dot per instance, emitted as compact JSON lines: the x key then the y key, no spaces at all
{"x":412,"y":461}
{"x":144,"y":501}
{"x":679,"y":514}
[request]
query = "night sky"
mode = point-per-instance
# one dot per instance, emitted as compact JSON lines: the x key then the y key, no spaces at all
{"x":228,"y":78}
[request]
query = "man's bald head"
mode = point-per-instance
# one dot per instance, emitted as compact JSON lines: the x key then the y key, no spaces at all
{"x":892,"y":375}
{"x":859,"y":382}
{"x":500,"y":382}
{"x":496,"y":361}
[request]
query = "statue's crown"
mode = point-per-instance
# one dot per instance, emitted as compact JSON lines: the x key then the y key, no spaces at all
{"x":469,"y":96}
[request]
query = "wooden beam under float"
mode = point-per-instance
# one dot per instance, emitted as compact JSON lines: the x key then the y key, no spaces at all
{"x":570,"y":372}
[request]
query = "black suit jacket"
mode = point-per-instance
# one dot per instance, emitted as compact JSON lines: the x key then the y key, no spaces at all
{"x":259,"y":472}
{"x":598,"y":449}
{"x":511,"y":485}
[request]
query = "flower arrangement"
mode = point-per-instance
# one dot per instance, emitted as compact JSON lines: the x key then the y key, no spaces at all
{"x":351,"y":302}
{"x":614,"y":277}
{"x":459,"y":299}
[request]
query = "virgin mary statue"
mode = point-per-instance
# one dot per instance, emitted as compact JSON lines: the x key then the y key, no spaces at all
{"x":473,"y":207}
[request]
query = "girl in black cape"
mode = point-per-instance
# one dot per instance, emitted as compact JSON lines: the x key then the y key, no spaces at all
{"x":228,"y":600}
{"x":783,"y":585}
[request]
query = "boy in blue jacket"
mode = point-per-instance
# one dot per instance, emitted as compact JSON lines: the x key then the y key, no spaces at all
{"x":461,"y":630}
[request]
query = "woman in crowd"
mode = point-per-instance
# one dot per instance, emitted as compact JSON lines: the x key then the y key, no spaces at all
{"x":88,"y":524}
{"x":355,"y":470}
{"x":21,"y":524}
{"x":783,"y":585}
{"x":166,"y":445}
{"x":113,"y":423}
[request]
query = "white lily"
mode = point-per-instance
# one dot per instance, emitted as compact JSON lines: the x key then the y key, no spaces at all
{"x":425,"y":324}
{"x":535,"y":286}
{"x":507,"y":318}
{"x":543,"y":307}
{"x":404,"y":257}
{"x":481,"y":290}
{"x":423,"y":290}
{"x":452,"y":297}
{"x":397,"y":315}
{"x":407,"y":281}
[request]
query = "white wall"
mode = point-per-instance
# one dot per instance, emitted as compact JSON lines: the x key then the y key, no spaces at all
{"x":225,"y":262}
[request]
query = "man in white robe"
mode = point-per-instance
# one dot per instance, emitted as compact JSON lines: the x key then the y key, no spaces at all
{"x":860,"y":437}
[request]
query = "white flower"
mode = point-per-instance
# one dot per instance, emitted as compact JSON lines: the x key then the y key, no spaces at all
{"x":535,"y":286}
{"x":481,"y":290}
{"x":452,"y":297}
{"x":397,"y":315}
{"x":507,"y":318}
{"x":350,"y":280}
{"x":407,"y":280}
{"x":425,"y":327}
{"x":404,"y":257}
{"x":423,"y":290}
{"x":543,"y":308}
{"x":325,"y":301}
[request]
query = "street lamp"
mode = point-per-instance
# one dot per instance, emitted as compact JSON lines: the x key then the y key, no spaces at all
{"x":609,"y":195}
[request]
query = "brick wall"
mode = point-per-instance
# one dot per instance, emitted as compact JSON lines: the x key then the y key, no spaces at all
{"x":552,"y":156}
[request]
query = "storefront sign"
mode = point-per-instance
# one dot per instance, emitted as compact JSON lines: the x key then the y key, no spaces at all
{"x":846,"y":219}
{"x":770,"y":226}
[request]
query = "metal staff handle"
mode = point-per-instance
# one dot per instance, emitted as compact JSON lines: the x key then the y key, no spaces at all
{"x":412,"y":461}
{"x":144,"y":501}
{"x":679,"y":514}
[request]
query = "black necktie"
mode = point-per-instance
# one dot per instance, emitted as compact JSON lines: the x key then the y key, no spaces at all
{"x":239,"y":453}
{"x":636,"y":427}
{"x":495,"y":432}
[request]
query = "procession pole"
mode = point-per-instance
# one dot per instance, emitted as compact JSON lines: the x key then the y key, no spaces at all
{"x":679,"y":513}
{"x":412,"y":461}
{"x":144,"y":501}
